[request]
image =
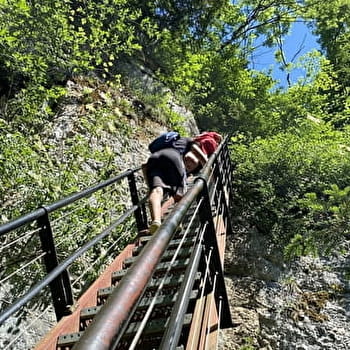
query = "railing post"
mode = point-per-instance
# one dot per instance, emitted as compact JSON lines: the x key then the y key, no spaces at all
{"x":60,"y":287}
{"x":228,"y":168}
{"x":210,"y":242}
{"x":220,"y":175}
{"x":140,"y":213}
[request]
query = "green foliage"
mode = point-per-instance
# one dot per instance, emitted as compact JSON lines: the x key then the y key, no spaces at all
{"x":54,"y":39}
{"x":222,"y":94}
{"x":331,"y":23}
{"x":248,"y":344}
{"x":34,"y":171}
{"x":33,"y":106}
{"x":157,"y":105}
{"x":242,"y":100}
{"x":273,"y":175}
{"x":326,"y":223}
{"x":231,"y":98}
{"x":46,"y":43}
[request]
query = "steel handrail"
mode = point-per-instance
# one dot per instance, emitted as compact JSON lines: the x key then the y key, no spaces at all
{"x":57,"y":274}
{"x":36,"y":214}
{"x":37,"y":288}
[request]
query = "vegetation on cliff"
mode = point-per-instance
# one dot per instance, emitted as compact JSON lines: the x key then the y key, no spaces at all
{"x":290,"y":146}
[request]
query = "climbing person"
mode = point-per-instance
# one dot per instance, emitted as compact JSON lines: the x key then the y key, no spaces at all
{"x":166,"y":173}
{"x":208,"y":141}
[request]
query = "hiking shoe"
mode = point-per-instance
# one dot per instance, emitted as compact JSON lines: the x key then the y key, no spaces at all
{"x":154,"y":227}
{"x":179,"y":228}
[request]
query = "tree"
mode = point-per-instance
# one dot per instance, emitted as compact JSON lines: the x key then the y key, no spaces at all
{"x":331,"y":22}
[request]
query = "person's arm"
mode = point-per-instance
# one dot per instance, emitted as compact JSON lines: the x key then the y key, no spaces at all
{"x":218,"y":138}
{"x":202,"y":157}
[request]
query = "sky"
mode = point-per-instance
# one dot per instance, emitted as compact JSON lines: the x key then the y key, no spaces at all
{"x":300,"y":41}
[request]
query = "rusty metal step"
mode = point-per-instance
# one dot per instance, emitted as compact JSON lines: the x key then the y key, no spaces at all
{"x":162,"y":301}
{"x":152,"y":334}
{"x":174,"y":243}
{"x":170,"y":282}
{"x":161,"y":268}
{"x":183,"y":253}
{"x":87,"y":314}
{"x":144,"y":239}
{"x":152,"y":328}
{"x":67,"y":341}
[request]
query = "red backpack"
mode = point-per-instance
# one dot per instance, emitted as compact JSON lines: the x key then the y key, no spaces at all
{"x":208,"y":141}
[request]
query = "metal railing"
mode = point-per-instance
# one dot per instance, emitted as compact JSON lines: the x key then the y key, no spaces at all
{"x":211,"y":191}
{"x":57,"y":274}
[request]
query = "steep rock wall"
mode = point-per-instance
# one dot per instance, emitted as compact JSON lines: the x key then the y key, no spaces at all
{"x":301,"y":305}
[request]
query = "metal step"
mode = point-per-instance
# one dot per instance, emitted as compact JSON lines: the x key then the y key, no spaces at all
{"x":161,"y":268}
{"x":173,"y":244}
{"x":152,"y":334}
{"x":68,"y":340}
{"x":170,"y":282}
{"x":162,"y":301}
{"x":163,"y":304}
{"x":183,"y":253}
{"x":153,"y":328}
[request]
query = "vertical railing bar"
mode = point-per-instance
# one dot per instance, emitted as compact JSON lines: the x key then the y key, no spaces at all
{"x":140,"y":214}
{"x":60,"y":287}
{"x":213,"y":194}
{"x":207,"y":269}
{"x":203,"y":287}
{"x":229,"y":166}
{"x":226,"y":205}
{"x":219,"y":318}
{"x":218,"y":212}
{"x":210,"y":313}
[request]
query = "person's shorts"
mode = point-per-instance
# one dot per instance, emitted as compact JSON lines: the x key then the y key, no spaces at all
{"x":166,"y":169}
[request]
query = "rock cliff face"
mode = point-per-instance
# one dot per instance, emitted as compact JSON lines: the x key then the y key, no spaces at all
{"x":131,"y":148}
{"x":302,"y":305}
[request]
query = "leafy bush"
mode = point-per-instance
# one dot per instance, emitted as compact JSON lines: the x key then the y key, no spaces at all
{"x":275,"y":176}
{"x":46,"y":43}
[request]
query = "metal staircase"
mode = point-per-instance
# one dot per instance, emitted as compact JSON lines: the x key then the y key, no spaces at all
{"x":164,"y":291}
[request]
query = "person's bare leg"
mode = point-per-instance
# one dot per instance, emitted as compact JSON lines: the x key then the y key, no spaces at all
{"x":155,"y":201}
